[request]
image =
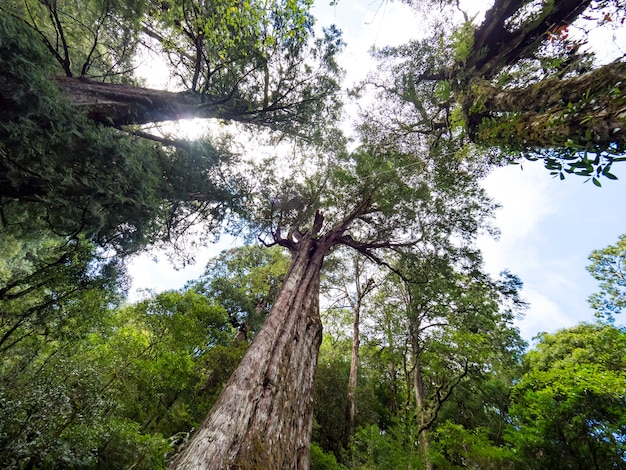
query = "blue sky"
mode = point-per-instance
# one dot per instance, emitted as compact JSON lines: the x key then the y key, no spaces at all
{"x":548,"y":227}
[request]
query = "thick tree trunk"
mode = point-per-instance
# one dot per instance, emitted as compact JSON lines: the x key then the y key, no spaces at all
{"x":496,"y":45}
{"x":263,"y":418}
{"x":589,"y":110}
{"x":119,"y":104}
{"x":595,"y":131}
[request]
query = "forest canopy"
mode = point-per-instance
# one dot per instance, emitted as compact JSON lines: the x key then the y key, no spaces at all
{"x":359,"y":314}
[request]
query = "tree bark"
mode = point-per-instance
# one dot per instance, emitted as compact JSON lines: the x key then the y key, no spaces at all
{"x":588,"y":110}
{"x":420,"y":404}
{"x":354,"y":368}
{"x":119,"y":104}
{"x":605,"y":82}
{"x":263,"y":418}
{"x":496,"y":46}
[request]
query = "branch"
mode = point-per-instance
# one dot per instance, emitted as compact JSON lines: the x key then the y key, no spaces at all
{"x":441,"y":399}
{"x":495,"y":46}
{"x":162,"y":140}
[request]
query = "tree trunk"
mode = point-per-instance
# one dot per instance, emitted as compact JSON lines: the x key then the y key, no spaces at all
{"x":354,"y":367}
{"x":595,"y":131}
{"x":584,"y":110}
{"x":495,"y":45}
{"x":119,"y":104}
{"x":263,"y":418}
{"x":420,"y":403}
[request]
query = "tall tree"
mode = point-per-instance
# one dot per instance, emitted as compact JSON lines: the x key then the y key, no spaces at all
{"x":523,"y":81}
{"x":568,"y":408}
{"x":370,"y":200}
{"x":459,"y":329}
{"x":608,"y":266}
{"x":249,"y":62}
{"x":353,"y":282}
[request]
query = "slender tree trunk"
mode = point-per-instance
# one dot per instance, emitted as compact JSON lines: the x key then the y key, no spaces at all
{"x":393,"y":387}
{"x":420,"y":403}
{"x":354,"y":367}
{"x":263,"y":418}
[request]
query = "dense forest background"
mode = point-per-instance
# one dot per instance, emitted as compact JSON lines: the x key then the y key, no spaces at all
{"x":357,"y":326}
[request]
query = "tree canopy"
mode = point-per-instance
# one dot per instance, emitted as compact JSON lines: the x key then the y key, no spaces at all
{"x":89,"y":177}
{"x":608,"y":265}
{"x":518,"y":83}
{"x":569,"y":405}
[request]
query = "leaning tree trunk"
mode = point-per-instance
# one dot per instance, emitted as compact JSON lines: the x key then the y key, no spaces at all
{"x":114,"y":104}
{"x":587,"y":110}
{"x":263,"y":418}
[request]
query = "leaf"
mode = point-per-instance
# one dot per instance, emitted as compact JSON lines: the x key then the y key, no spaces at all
{"x":596,"y":182}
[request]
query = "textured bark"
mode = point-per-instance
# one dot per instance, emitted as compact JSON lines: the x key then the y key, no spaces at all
{"x":586,"y":110}
{"x":496,"y":46}
{"x":263,"y":418}
{"x":603,"y":85}
{"x":119,"y":104}
{"x":420,"y":403}
{"x":598,"y":129}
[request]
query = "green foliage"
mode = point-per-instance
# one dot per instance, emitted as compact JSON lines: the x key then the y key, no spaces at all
{"x":59,"y":171}
{"x":171,"y":337}
{"x":569,"y":407}
{"x":321,"y":460}
{"x":92,"y":37}
{"x":331,"y":388}
{"x":608,"y":266}
{"x":455,"y":447}
{"x":45,"y":283}
{"x":245,"y":282}
{"x":393,"y":448}
{"x":120,"y":388}
{"x":462,"y":41}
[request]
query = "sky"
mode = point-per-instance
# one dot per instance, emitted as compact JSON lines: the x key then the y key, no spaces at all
{"x":548,"y":227}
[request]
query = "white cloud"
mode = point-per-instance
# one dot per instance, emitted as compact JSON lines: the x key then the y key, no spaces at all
{"x":544,"y":316}
{"x":526,"y":199}
{"x":529,"y":199}
{"x":152,"y":271}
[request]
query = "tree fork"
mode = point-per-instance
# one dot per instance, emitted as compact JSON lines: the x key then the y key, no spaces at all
{"x":263,"y":418}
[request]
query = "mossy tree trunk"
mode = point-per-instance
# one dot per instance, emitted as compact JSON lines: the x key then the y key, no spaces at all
{"x":588,"y":110}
